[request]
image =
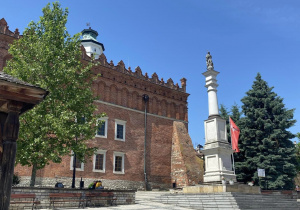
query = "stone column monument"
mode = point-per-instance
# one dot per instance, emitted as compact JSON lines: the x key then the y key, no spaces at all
{"x":217,"y":150}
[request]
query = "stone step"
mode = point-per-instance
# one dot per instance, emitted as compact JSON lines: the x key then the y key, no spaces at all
{"x":221,"y":201}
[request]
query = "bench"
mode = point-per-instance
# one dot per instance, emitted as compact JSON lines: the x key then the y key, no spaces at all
{"x":66,"y":198}
{"x":24,"y":199}
{"x":93,"y":197}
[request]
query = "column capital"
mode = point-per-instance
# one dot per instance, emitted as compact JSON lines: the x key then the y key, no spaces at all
{"x":12,"y":124}
{"x":14,"y":106}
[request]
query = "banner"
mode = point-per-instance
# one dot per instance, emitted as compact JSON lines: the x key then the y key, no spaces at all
{"x":235,"y":132}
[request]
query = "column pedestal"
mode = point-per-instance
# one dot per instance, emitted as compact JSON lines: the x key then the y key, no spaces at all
{"x":217,"y":151}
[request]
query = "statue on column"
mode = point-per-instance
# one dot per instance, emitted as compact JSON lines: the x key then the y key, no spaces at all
{"x":209,"y":63}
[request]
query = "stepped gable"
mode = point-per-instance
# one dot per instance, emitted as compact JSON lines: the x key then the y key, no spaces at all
{"x":6,"y":37}
{"x":120,"y":67}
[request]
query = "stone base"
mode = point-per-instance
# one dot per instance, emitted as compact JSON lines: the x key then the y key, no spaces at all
{"x":107,"y":183}
{"x":217,"y":151}
{"x":218,"y":188}
{"x":217,"y":176}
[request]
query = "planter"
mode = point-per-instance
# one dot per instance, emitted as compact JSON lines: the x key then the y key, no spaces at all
{"x":231,"y":182}
{"x":223,"y":182}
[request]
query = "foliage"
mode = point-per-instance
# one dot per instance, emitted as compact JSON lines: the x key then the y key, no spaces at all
{"x":49,"y":57}
{"x":235,"y":115}
{"x":264,"y":139}
{"x":298,"y":152}
{"x":224,"y":112}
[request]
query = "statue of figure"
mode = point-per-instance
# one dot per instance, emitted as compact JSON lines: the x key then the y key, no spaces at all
{"x":209,"y":63}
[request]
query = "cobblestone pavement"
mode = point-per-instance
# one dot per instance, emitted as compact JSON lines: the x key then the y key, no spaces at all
{"x":144,"y":205}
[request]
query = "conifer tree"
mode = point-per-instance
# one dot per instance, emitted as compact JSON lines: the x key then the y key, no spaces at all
{"x":265,"y":141}
{"x":235,"y":115}
{"x":49,"y":57}
{"x":298,"y":152}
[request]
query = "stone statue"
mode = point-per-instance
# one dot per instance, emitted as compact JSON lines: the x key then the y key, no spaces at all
{"x":209,"y":63}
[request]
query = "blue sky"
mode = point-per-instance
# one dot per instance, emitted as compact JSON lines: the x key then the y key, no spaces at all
{"x":172,"y":37}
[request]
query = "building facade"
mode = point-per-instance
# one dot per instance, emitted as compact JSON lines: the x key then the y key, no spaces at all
{"x":143,"y":141}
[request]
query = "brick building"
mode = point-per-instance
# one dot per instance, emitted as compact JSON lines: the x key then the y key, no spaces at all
{"x":142,"y":112}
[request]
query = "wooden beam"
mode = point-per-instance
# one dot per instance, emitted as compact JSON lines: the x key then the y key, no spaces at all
{"x":20,"y":97}
{"x":10,"y":136}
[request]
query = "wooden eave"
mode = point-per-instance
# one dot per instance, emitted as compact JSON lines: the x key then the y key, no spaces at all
{"x":25,"y":93}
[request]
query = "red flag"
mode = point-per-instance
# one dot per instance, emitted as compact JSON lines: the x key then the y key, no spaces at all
{"x":235,"y":132}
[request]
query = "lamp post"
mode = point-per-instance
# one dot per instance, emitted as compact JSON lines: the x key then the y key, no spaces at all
{"x":146,"y":99}
{"x":74,"y":167}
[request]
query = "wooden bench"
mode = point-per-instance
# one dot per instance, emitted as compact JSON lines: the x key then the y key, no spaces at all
{"x":93,"y":197}
{"x":67,"y":198}
{"x":24,"y":199}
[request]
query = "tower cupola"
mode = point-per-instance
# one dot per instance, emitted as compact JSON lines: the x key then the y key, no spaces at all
{"x":90,"y":43}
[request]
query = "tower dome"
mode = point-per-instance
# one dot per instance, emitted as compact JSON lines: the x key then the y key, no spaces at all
{"x":90,"y":43}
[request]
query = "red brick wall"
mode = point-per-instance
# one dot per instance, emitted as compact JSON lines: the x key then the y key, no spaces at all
{"x":6,"y":37}
{"x":126,"y":88}
{"x":159,"y":146}
{"x":120,"y":97}
{"x":187,"y":168}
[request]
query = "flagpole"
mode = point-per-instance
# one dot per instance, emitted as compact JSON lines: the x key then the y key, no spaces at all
{"x":231,"y":147}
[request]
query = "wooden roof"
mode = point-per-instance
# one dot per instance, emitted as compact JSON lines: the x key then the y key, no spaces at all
{"x":12,"y":89}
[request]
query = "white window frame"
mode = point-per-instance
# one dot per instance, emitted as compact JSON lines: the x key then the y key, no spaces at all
{"x":103,"y":152}
{"x":105,"y":119}
{"x":120,"y":122}
{"x":71,"y":164}
{"x":122,"y":154}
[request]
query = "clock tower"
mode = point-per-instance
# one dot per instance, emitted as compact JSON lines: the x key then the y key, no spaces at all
{"x":90,"y":43}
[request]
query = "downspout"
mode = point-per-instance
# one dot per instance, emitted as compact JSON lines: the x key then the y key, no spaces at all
{"x":146,"y":99}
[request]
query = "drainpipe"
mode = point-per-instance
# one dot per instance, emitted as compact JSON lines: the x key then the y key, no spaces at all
{"x":146,"y":99}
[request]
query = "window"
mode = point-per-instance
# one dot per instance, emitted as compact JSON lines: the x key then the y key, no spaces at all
{"x":81,"y":120}
{"x":120,"y":130}
{"x":118,"y":163}
{"x":99,"y":161}
{"x":102,"y":127}
{"x":79,"y":165}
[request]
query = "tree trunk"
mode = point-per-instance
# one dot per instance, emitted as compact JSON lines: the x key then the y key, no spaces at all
{"x":33,"y":175}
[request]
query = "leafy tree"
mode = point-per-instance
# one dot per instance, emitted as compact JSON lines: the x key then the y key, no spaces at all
{"x":49,"y":57}
{"x":264,"y":139}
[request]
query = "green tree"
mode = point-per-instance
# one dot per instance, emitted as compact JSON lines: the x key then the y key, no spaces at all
{"x":298,"y":152}
{"x":49,"y":57}
{"x":264,"y":139}
{"x":235,"y":115}
{"x":224,"y":112}
{"x":298,"y":158}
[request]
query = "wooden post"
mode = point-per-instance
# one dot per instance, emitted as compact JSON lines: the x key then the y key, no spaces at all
{"x":10,"y":136}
